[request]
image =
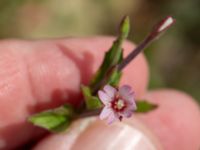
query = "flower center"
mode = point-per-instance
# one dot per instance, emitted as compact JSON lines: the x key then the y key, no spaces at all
{"x":118,"y":105}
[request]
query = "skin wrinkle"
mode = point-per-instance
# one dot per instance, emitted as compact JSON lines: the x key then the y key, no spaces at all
{"x":12,"y":73}
{"x":84,"y":64}
{"x":29,"y":79}
{"x":30,"y":67}
{"x":9,"y":73}
{"x":25,"y":95}
{"x":31,"y":58}
{"x":15,"y":96}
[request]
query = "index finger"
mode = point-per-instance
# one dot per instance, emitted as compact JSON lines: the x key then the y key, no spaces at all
{"x":36,"y":75}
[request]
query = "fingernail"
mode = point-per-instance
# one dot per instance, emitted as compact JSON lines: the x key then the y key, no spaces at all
{"x":126,"y":136}
{"x":64,"y":140}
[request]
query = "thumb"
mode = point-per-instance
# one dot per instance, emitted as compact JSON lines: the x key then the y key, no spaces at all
{"x":88,"y":134}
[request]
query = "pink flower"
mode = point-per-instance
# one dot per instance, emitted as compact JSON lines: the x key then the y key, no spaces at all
{"x":118,"y":103}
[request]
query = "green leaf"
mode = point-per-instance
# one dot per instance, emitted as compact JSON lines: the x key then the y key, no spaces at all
{"x":145,"y":106}
{"x":115,"y":78}
{"x":125,"y":27}
{"x":92,"y":102}
{"x":54,"y":120}
{"x":112,"y":57}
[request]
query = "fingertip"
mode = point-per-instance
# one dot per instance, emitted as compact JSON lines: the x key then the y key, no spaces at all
{"x":176,"y":121}
{"x":98,"y":135}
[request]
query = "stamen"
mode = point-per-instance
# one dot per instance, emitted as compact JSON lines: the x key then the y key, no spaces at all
{"x":120,"y":104}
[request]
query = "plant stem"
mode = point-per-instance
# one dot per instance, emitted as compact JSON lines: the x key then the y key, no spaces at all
{"x":159,"y":28}
{"x":89,"y":113}
{"x":134,"y":53}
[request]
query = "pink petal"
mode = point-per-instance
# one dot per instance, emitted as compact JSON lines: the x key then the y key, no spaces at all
{"x":112,"y":117}
{"x":104,"y":97}
{"x":126,"y":93}
{"x":124,"y":90}
{"x":129,"y":98}
{"x":127,"y":113}
{"x":111,"y":91}
{"x":105,"y":113}
{"x":132,"y":105}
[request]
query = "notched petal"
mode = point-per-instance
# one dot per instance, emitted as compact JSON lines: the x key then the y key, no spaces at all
{"x":125,"y":91}
{"x":111,"y":91}
{"x":118,"y":103}
{"x":104,"y":97}
{"x":112,"y":118}
{"x":128,"y":114}
{"x":105,"y":113}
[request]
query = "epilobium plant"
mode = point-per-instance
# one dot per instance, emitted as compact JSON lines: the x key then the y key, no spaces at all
{"x":103,"y":96}
{"x":118,"y":103}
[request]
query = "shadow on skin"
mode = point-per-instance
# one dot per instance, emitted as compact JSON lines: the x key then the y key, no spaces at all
{"x":58,"y":96}
{"x":84,"y":65}
{"x":24,"y":132}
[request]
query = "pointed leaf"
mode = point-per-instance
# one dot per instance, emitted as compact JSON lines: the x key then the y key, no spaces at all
{"x":125,"y":27}
{"x":113,"y":56}
{"x":54,"y":120}
{"x":92,"y":102}
{"x":115,"y":78}
{"x":145,"y":106}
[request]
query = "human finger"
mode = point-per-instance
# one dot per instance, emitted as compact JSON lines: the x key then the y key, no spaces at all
{"x":37,"y":75}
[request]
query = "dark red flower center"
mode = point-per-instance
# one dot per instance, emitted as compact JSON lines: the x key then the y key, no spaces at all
{"x":118,"y":104}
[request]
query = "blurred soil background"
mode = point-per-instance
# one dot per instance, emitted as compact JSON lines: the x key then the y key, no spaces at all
{"x":174,"y":58}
